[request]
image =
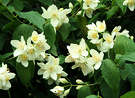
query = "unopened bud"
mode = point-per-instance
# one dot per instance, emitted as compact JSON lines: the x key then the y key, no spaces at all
{"x":61,"y":9}
{"x":66,"y":92}
{"x":70,"y":5}
{"x":78,"y":87}
{"x":63,"y":80}
{"x":78,"y":81}
{"x":79,"y":13}
{"x":132,"y":38}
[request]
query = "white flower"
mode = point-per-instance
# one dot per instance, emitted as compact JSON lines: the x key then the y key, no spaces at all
{"x":78,"y":50}
{"x":108,"y":40}
{"x":78,"y":87}
{"x":53,"y":13}
{"x":90,"y":4}
{"x":23,"y":58}
{"x":82,"y":63}
{"x":36,"y":37}
{"x":95,"y":59}
{"x":58,"y":90}
{"x":101,"y":26}
{"x":125,"y":32}
{"x":130,"y":3}
{"x":19,"y":45}
{"x":93,"y":35}
{"x":69,"y":59}
{"x":116,"y":30}
{"x":51,"y":69}
{"x":89,"y":12}
{"x":66,"y":92}
{"x":91,"y":27}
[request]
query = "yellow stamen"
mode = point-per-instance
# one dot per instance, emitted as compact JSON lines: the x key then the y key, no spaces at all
{"x":108,"y":39}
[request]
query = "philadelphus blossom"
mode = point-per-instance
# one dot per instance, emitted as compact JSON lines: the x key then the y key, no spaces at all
{"x":96,"y":59}
{"x":51,"y":70}
{"x":56,"y":15}
{"x":33,"y":50}
{"x":5,"y":76}
{"x":130,"y":3}
{"x":58,"y":91}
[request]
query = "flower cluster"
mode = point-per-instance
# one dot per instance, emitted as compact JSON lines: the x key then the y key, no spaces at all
{"x":130,"y":3}
{"x":57,"y":16}
{"x":89,"y":6}
{"x":107,"y":41}
{"x":51,"y":70}
{"x":5,"y":76}
{"x":80,"y":55}
{"x":33,"y":50}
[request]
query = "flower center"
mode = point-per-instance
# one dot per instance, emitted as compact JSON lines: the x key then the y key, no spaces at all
{"x":94,"y":35}
{"x":7,"y":78}
{"x":131,"y":2}
{"x":54,"y":15}
{"x":101,"y":27}
{"x":96,"y":58}
{"x":31,"y":51}
{"x":88,"y":2}
{"x":108,"y":39}
{"x":20,"y":46}
{"x":40,"y":46}
{"x":116,"y":30}
{"x":24,"y":57}
{"x":35,"y":38}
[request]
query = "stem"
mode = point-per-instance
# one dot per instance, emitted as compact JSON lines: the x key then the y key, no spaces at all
{"x":9,"y":93}
{"x":10,"y":58}
{"x":108,"y":53}
{"x":75,"y":12}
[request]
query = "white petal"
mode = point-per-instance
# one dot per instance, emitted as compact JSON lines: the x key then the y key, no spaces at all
{"x":40,"y":72}
{"x":54,"y":22}
{"x":53,"y":76}
{"x":131,"y":7}
{"x":15,"y":43}
{"x":24,"y":63}
{"x":84,"y":53}
{"x":93,"y":52}
{"x":46,"y":74}
{"x":52,"y":8}
{"x":97,"y":65}
{"x":17,"y":52}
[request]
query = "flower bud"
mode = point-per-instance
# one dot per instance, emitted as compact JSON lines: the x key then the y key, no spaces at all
{"x":79,"y":13}
{"x":70,"y":5}
{"x":78,"y":87}
{"x":78,"y":81}
{"x":66,"y":92}
{"x":63,"y":80}
{"x":61,"y":9}
{"x":132,"y":38}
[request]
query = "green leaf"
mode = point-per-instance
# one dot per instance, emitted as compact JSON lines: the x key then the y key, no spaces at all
{"x":23,"y":30}
{"x":46,"y":2}
{"x":7,"y":15}
{"x":33,"y":17}
{"x":133,"y":85}
{"x":49,"y":34}
{"x":82,"y":22}
{"x":25,"y":73}
{"x":120,"y":4}
{"x":131,"y":69}
{"x":11,"y":25}
{"x":2,"y":8}
{"x":124,"y":73}
{"x":4,"y":56}
{"x":130,"y":56}
{"x":92,"y":96}
{"x":101,"y":6}
{"x":130,"y":94}
{"x":54,"y":50}
{"x":64,"y":30}
{"x":18,"y":5}
{"x":2,"y":40}
{"x":106,"y":90}
{"x":112,"y":11}
{"x":123,"y":45}
{"x":83,"y":92}
{"x":111,"y":75}
{"x":62,"y":59}
{"x":5,"y":2}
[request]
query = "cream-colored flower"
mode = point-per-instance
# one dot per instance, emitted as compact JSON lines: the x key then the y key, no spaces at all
{"x":19,"y":45}
{"x":96,"y":59}
{"x":130,"y":3}
{"x":101,"y":26}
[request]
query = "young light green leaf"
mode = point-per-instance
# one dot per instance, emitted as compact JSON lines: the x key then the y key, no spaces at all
{"x":83,"y":92}
{"x":130,"y":56}
{"x":130,"y":94}
{"x":92,"y":96}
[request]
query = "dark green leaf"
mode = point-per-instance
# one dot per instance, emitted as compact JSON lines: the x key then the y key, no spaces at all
{"x":83,"y":92}
{"x":54,"y":50}
{"x":82,"y":22}
{"x":7,"y":15}
{"x":2,"y":8}
{"x":130,"y":94}
{"x":133,"y":85}
{"x":120,"y":4}
{"x":2,"y":40}
{"x":101,"y":6}
{"x":49,"y":34}
{"x":5,"y":2}
{"x":124,"y":73}
{"x":23,"y":30}
{"x":130,"y":56}
{"x":62,"y":59}
{"x":123,"y":45}
{"x":18,"y":5}
{"x":33,"y":17}
{"x":11,"y":25}
{"x":25,"y":73}
{"x":112,"y":11}
{"x":64,"y":30}
{"x":111,"y":75}
{"x":7,"y":55}
{"x":46,"y":2}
